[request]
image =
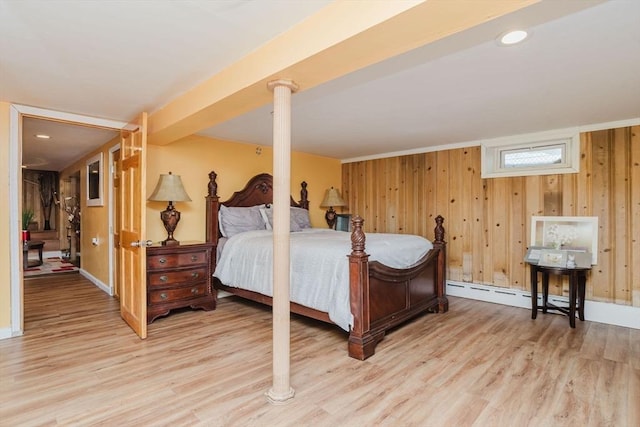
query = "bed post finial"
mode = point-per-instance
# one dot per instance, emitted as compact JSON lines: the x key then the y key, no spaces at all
{"x":304,"y":202}
{"x":357,"y":236}
{"x":439,"y":230}
{"x":211,"y":218}
{"x":213,"y":186}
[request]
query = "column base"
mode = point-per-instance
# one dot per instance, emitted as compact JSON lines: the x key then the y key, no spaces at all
{"x":279,"y":399}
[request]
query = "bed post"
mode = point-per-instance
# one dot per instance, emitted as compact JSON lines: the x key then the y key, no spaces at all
{"x":439,"y":243}
{"x":361,"y":342}
{"x":304,"y":202}
{"x":212,"y":215}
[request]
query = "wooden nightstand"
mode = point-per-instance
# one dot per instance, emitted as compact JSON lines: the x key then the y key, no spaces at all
{"x":179,"y":276}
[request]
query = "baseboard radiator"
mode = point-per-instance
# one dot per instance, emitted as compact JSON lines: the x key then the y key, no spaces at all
{"x":612,"y":314}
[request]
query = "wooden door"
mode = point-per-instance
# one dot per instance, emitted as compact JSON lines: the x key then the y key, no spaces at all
{"x":133,"y":294}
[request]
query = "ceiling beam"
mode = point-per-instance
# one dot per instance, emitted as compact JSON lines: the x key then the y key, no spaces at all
{"x":341,"y":38}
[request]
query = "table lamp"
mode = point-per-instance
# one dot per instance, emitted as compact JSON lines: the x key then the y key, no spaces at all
{"x":169,"y":189}
{"x":331,"y":198}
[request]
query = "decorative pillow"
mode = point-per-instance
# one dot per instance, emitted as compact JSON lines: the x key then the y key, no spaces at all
{"x":299,"y":218}
{"x":234,"y":220}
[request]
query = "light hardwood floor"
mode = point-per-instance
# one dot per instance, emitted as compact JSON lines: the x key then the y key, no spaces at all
{"x":478,"y":365}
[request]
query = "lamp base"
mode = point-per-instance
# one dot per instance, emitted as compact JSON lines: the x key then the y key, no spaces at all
{"x":170,"y":218}
{"x":330,"y":216}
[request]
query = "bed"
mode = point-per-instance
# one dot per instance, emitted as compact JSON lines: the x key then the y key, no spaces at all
{"x":379,"y":297}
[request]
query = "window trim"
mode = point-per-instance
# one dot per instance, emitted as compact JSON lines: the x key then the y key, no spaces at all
{"x":493,"y":153}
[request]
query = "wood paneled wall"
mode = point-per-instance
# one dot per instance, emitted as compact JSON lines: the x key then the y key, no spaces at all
{"x":488,"y":220}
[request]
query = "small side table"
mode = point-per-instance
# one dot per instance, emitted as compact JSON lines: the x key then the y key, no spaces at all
{"x":26,"y":247}
{"x":577,"y":284}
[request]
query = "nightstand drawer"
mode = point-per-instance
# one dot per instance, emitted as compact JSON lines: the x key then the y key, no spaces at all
{"x":177,"y":277}
{"x":176,"y":294}
{"x":176,"y":260}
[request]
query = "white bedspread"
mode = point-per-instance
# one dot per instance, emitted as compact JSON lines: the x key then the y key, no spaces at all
{"x":320,"y":273}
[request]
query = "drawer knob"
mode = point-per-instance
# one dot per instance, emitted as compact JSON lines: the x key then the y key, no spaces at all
{"x":194,"y":257}
{"x":163,"y":278}
{"x":195,"y":275}
{"x":194,"y":291}
{"x":162,"y":260}
{"x":163,"y":296}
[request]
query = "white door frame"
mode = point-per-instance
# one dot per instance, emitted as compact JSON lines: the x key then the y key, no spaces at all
{"x":111,"y":218}
{"x":15,"y":191}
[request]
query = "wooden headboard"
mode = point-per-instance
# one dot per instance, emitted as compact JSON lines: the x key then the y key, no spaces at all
{"x":258,"y":191}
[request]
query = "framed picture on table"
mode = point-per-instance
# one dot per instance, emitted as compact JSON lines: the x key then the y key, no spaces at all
{"x":569,"y":233}
{"x":533,"y":254}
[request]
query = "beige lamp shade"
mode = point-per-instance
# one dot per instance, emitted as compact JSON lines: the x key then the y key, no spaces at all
{"x":332,"y":198}
{"x":169,"y":189}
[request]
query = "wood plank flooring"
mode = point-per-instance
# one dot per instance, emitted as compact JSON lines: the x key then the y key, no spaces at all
{"x":480,"y":364}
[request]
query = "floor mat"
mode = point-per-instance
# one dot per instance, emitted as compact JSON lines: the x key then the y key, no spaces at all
{"x":51,"y":266}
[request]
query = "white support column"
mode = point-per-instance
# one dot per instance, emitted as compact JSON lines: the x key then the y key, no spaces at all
{"x":281,"y":390}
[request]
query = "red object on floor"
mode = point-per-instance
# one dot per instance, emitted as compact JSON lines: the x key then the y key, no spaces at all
{"x":52,"y":265}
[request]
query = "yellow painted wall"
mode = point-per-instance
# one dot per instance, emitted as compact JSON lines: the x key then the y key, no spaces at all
{"x":5,"y":224}
{"x":94,"y":219}
{"x":193,"y":157}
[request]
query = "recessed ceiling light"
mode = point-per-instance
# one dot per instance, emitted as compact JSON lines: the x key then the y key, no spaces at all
{"x":512,"y":37}
{"x":42,"y":136}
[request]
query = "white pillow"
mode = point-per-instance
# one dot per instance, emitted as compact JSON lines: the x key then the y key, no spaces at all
{"x":234,"y":220}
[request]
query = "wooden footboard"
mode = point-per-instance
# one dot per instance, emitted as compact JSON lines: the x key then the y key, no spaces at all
{"x":381,"y":297}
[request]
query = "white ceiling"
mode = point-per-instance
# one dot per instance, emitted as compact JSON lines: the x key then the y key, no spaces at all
{"x":67,"y":144}
{"x":580,"y":67}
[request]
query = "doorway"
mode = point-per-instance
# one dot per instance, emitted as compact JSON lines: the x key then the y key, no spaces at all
{"x":17,"y":114}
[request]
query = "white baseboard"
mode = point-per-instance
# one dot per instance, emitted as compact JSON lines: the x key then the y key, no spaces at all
{"x":7,"y":333}
{"x":97,"y":282}
{"x":601,"y":312}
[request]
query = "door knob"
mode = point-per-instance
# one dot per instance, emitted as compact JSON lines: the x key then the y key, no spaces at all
{"x":141,"y":243}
